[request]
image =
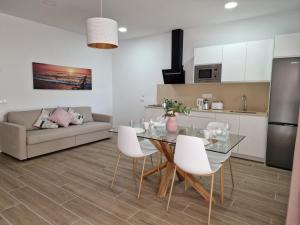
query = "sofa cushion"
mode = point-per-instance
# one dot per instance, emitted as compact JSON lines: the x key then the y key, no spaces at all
{"x":86,"y":112}
{"x":39,"y":136}
{"x":61,"y":117}
{"x":43,"y":121}
{"x":77,"y":118}
{"x":24,"y":118}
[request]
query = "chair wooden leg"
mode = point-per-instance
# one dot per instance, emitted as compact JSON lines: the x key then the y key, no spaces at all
{"x":171,"y":189}
{"x":185,"y":183}
{"x":134,"y":167}
{"x":142,"y":175}
{"x":116,"y":168}
{"x":222,"y":183}
{"x":211,"y":196}
{"x":151,"y":158}
{"x":231,"y":172}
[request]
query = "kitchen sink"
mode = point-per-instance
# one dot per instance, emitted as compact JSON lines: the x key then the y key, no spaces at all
{"x":241,"y":111}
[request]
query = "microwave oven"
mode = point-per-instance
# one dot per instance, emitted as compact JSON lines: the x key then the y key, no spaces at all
{"x":207,"y":73}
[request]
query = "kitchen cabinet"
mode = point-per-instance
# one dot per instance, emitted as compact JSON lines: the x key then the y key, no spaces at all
{"x":234,"y":122}
{"x":255,"y":130}
{"x":241,"y":62}
{"x":259,"y":60}
{"x":208,"y":55}
{"x":197,"y":121}
{"x":191,"y":121}
{"x":287,"y":45}
{"x":252,"y":126}
{"x":233,"y":63}
{"x":152,"y":113}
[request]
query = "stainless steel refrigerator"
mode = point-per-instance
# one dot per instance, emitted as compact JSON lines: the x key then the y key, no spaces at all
{"x":283,"y":112}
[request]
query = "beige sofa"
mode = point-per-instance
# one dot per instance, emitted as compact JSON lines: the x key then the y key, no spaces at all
{"x":21,"y":140}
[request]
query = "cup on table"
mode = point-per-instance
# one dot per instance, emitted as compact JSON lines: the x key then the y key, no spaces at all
{"x":206,"y":134}
{"x":131,"y":123}
{"x":146,"y":125}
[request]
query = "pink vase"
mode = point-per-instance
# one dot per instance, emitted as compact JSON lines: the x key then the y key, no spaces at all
{"x":171,"y":124}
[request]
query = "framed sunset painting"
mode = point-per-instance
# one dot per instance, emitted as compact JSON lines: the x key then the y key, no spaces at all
{"x":46,"y":76}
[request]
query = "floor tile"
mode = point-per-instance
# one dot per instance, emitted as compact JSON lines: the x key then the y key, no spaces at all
{"x":44,"y":207}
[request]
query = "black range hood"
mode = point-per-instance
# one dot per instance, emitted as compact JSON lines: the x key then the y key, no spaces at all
{"x":175,"y":75}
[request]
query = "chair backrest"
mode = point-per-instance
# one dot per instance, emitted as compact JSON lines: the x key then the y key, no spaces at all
{"x":215,"y":125}
{"x":128,"y":142}
{"x":190,"y":155}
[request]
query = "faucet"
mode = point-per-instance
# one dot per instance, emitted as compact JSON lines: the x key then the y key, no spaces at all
{"x":244,"y":102}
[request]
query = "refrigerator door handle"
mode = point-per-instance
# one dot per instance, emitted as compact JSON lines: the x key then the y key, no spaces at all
{"x":283,"y":124}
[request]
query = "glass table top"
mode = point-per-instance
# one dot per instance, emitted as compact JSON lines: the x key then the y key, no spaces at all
{"x":220,"y":144}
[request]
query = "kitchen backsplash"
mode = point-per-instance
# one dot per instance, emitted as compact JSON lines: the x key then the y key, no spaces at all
{"x":230,"y":93}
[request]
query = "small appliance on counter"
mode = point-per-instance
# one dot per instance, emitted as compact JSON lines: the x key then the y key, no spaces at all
{"x":205,"y":104}
{"x":217,"y":105}
{"x":200,"y":103}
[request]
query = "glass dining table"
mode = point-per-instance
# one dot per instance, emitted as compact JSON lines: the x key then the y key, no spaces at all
{"x":165,"y":142}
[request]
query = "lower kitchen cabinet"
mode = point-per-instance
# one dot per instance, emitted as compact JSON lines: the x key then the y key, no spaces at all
{"x":152,"y":113}
{"x":193,"y":121}
{"x":252,"y":126}
{"x":255,"y":130}
{"x":234,"y":122}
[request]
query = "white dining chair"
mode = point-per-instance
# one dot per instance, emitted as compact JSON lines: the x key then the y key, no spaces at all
{"x":129,"y":146}
{"x":215,"y":157}
{"x":190,"y":157}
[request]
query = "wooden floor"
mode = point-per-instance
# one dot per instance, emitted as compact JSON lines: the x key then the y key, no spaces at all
{"x":73,"y":187}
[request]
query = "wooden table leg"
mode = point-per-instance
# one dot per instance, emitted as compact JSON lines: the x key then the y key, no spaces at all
{"x":196,"y":185}
{"x":165,"y":180}
{"x":167,"y":176}
{"x":155,"y":169}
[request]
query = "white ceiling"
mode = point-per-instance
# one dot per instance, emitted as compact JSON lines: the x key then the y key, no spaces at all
{"x":141,"y":17}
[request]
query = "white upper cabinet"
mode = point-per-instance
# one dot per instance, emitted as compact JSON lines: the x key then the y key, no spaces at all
{"x":208,"y":55}
{"x":233,"y":65}
{"x":287,"y":45}
{"x":259,"y":60}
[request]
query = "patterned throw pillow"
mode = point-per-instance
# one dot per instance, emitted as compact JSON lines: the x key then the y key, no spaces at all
{"x":77,"y":118}
{"x":44,"y":122}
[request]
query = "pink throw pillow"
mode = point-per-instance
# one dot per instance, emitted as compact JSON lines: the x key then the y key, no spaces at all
{"x":61,"y":117}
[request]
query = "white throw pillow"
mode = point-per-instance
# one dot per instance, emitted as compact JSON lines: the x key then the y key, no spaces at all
{"x":77,"y":118}
{"x":44,"y":122}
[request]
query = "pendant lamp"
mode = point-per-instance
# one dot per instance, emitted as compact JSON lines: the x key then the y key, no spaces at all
{"x":102,"y":32}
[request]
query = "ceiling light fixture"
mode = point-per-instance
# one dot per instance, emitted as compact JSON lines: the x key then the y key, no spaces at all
{"x":230,"y":5}
{"x":122,"y":29}
{"x":102,"y":32}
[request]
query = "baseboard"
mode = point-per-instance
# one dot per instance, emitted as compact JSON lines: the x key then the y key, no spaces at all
{"x":252,"y":158}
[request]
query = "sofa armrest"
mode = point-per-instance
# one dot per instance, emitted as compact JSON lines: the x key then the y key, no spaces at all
{"x":102,"y":118}
{"x":13,"y":140}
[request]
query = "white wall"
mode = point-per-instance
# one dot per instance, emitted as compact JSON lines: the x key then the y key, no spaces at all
{"x":138,"y":63}
{"x":136,"y":71}
{"x":23,"y":42}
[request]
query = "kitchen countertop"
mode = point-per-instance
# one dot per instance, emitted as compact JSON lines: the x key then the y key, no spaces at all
{"x":226,"y":111}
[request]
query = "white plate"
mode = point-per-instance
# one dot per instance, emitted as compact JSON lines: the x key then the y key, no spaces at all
{"x":139,"y":130}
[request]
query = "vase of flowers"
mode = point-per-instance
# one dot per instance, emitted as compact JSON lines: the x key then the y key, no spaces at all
{"x":172,"y":108}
